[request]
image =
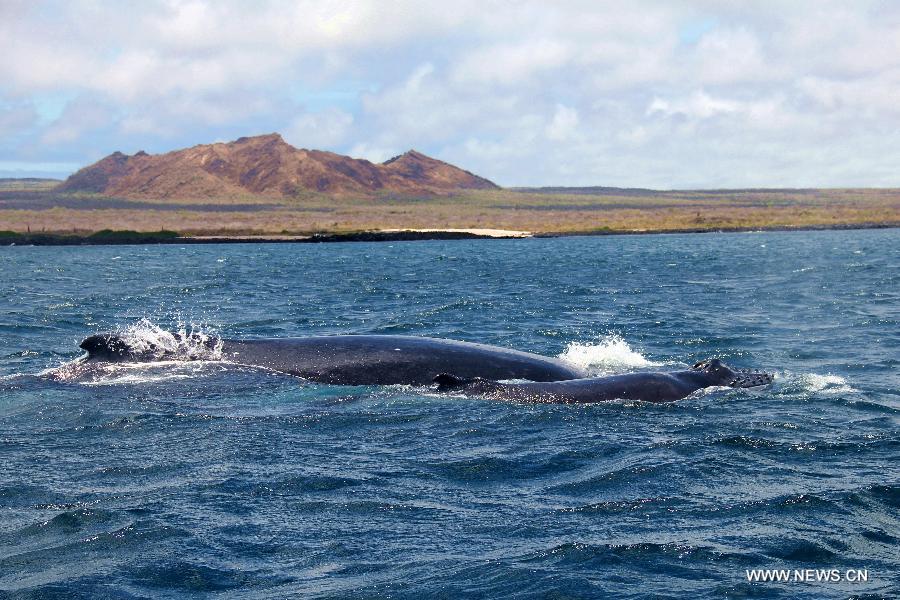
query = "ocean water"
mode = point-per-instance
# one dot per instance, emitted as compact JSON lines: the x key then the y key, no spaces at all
{"x":187,"y":479}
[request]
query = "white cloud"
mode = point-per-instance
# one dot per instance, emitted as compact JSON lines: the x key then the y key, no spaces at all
{"x":373,"y":153}
{"x":870,"y":97}
{"x":319,"y":130}
{"x":698,"y":105}
{"x":14,"y":119}
{"x":569,"y":92}
{"x":564,"y":123}
{"x":79,"y":116}
{"x":730,"y":56}
{"x":426,"y":107}
{"x":510,"y":64}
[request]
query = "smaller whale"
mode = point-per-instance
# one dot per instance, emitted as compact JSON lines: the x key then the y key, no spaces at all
{"x":648,"y":387}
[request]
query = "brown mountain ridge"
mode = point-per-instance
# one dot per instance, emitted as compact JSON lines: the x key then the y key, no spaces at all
{"x":265,"y":165}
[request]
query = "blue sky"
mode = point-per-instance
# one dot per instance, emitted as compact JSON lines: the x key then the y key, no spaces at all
{"x":639,"y":94}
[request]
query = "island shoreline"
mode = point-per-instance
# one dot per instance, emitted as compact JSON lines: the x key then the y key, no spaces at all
{"x":132,"y":238}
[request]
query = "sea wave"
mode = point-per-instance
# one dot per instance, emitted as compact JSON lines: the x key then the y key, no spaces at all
{"x":827,"y":385}
{"x":138,"y":373}
{"x":88,"y":373}
{"x":610,"y":355}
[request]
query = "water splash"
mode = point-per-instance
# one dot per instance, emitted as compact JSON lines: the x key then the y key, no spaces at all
{"x":189,"y":346}
{"x":611,"y":355}
{"x":67,"y":371}
{"x":188,"y":342}
{"x":141,"y":373}
{"x":825,"y":384}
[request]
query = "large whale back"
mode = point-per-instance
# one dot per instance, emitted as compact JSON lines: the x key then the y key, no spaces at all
{"x":362,"y":359}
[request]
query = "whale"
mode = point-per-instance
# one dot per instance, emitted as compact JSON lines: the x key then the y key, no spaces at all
{"x":647,"y":387}
{"x":343,"y":359}
{"x":456,"y":367}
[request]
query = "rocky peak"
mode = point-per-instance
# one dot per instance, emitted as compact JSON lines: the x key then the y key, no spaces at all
{"x":260,"y":140}
{"x":266,"y":165}
{"x":409,"y":155}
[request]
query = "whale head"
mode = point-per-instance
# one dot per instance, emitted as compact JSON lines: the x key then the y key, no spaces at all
{"x":718,"y":373}
{"x":113,"y":348}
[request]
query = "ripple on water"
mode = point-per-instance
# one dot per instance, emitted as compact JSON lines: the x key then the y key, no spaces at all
{"x":197,"y":578}
{"x":199,"y":478}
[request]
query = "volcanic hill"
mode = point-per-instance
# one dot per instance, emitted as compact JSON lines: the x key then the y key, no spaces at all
{"x":265,"y":165}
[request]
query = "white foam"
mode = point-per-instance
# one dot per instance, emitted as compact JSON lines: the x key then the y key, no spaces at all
{"x":612,"y":354}
{"x":190,"y":346}
{"x":826,"y":384}
{"x":187,"y":343}
{"x":66,"y":371}
{"x":138,"y":373}
{"x":91,"y":373}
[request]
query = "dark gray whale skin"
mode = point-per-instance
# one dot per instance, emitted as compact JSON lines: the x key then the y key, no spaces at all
{"x":648,"y":387}
{"x":359,"y":359}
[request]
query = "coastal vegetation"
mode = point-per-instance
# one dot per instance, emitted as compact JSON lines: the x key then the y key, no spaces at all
{"x":104,"y":236}
{"x":538,"y":211}
{"x":27,"y":183}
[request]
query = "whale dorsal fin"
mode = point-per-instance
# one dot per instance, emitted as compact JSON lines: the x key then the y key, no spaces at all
{"x":446,"y":382}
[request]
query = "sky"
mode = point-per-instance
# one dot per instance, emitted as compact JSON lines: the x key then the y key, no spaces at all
{"x":666,"y":95}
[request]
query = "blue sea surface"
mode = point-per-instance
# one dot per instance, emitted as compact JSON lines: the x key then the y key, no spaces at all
{"x":187,"y":479}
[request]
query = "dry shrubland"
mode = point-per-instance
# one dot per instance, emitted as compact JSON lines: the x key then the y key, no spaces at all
{"x":537,"y":211}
